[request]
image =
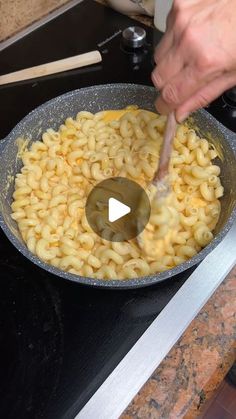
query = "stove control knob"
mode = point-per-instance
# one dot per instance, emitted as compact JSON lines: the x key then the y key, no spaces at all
{"x":134,"y":37}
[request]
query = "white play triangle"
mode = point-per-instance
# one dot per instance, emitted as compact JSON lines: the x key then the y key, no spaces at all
{"x":116,"y":210}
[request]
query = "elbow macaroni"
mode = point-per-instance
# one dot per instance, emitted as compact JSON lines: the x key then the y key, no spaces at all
{"x":59,"y":172}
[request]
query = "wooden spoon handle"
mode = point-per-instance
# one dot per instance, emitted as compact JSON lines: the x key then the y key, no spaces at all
{"x":163,"y":168}
{"x":54,"y":67}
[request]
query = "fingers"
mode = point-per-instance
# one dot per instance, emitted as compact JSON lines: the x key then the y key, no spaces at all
{"x":168,"y":57}
{"x":192,"y":66}
{"x":206,"y":95}
{"x":162,"y":107}
{"x":183,"y":86}
{"x":164,"y":46}
{"x":167,"y":68}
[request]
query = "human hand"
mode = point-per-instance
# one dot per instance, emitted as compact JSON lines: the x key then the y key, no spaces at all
{"x":196,"y":58}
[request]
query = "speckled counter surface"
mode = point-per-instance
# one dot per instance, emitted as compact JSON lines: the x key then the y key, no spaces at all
{"x":18,"y":14}
{"x":196,"y":365}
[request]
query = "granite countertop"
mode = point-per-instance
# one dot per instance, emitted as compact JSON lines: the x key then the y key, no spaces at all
{"x":18,"y":14}
{"x":198,"y":362}
{"x":196,"y":365}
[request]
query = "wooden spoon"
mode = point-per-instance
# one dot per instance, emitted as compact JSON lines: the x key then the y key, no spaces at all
{"x":160,"y":185}
{"x":161,"y":176}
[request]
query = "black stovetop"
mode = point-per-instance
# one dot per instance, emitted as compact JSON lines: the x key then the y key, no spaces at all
{"x":60,"y":340}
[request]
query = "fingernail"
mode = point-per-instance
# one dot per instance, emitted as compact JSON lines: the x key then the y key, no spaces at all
{"x":181,"y":118}
{"x":170,"y":95}
{"x":156,"y":79}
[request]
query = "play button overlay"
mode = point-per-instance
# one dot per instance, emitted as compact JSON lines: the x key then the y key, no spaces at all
{"x":117,"y":209}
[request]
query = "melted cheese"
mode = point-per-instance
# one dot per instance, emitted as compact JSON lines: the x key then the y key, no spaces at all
{"x":115,"y":115}
{"x":198,"y":202}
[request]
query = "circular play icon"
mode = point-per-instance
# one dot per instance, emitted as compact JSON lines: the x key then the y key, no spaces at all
{"x":117,"y":209}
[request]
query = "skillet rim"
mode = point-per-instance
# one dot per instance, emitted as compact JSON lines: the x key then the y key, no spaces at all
{"x":118,"y":283}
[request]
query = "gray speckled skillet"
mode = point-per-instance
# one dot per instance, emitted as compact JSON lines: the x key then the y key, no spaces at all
{"x":113,"y":96}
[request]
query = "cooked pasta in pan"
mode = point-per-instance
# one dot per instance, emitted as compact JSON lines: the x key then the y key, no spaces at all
{"x":59,"y":172}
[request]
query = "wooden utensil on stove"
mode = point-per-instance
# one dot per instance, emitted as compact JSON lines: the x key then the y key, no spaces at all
{"x":54,"y":67}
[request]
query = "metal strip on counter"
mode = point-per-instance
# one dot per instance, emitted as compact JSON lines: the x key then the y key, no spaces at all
{"x":121,"y":386}
{"x":50,"y":16}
